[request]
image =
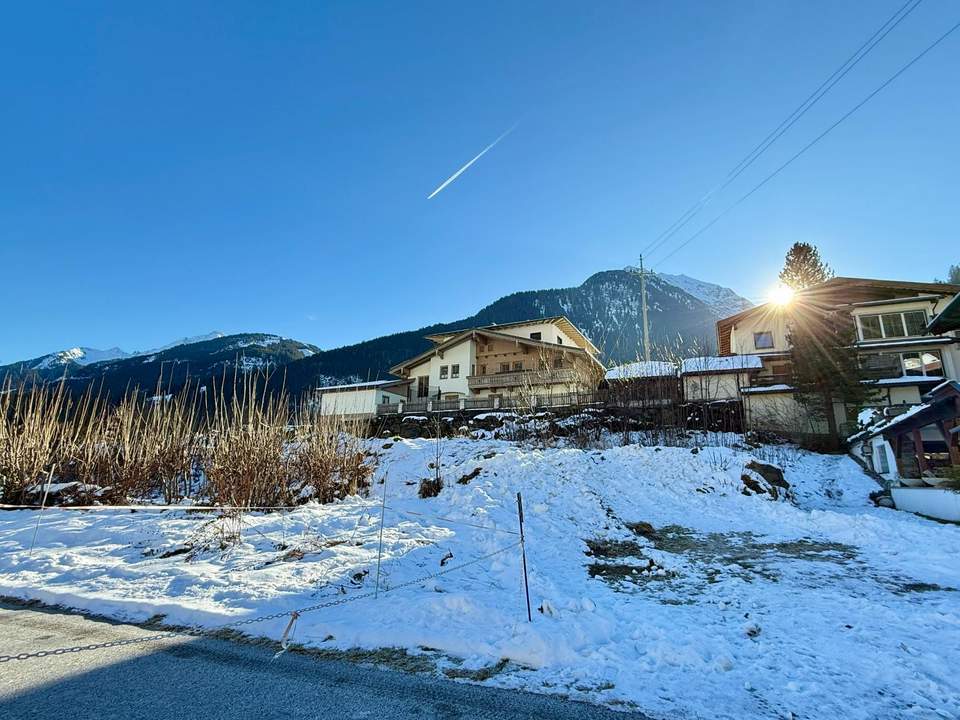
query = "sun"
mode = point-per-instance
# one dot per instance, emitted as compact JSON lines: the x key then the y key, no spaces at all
{"x":781,"y":295}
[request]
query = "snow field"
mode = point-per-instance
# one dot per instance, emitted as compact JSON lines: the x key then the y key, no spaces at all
{"x":725,"y":605}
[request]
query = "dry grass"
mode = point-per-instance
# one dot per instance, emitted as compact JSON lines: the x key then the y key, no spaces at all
{"x":247,"y":448}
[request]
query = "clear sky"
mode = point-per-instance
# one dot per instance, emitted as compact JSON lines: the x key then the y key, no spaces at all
{"x":174,"y":168}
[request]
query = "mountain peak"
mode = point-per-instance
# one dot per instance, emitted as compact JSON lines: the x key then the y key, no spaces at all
{"x":722,"y":300}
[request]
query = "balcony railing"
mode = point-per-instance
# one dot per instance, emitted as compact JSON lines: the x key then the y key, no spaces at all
{"x":526,"y":378}
{"x":768,"y":380}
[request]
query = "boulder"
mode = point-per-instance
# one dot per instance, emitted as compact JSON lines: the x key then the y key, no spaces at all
{"x":771,"y":473}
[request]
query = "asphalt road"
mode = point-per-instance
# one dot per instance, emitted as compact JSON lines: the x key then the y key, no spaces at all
{"x":209,"y":679}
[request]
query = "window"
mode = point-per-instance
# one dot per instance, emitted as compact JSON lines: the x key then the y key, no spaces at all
{"x":559,"y":340}
{"x":483,"y":369}
{"x":915,"y":322}
{"x":454,"y":371}
{"x":517,"y":366}
{"x":880,"y":462}
{"x":870,"y":327}
{"x":927,"y":362}
{"x":385,"y":400}
{"x":558,"y":362}
{"x":443,"y":372}
{"x":536,"y":336}
{"x":913,"y":364}
{"x":892,"y":325}
{"x":763,"y":340}
{"x":504,"y":367}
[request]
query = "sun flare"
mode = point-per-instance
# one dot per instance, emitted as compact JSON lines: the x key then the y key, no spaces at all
{"x":781,"y":295}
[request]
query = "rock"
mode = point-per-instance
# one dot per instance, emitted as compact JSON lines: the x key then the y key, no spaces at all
{"x":469,"y":476}
{"x":410,"y":431}
{"x":643,"y":529}
{"x":754,"y":484}
{"x":771,"y":473}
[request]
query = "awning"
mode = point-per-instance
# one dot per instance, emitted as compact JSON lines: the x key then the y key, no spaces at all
{"x":948,"y":319}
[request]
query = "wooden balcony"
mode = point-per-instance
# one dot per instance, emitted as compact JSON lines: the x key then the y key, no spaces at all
{"x":521,"y":378}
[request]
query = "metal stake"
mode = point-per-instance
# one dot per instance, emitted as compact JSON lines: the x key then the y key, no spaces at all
{"x":43,"y":503}
{"x":523,"y":554}
{"x":383,"y":509}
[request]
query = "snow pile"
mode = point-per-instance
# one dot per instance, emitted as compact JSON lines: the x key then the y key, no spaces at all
{"x":641,"y":369}
{"x":656,"y":583}
{"x":729,"y":363}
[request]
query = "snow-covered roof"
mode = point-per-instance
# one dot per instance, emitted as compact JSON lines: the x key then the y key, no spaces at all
{"x":641,"y":369}
{"x":885,"y":423}
{"x":728,"y":363}
{"x":360,"y":385}
{"x":906,"y":380}
{"x":867,"y":344}
{"x":760,"y":389}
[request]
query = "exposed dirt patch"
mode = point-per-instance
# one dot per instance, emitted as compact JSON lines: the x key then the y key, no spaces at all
{"x":638,"y":569}
{"x":480,"y":674}
{"x":744,"y":555}
{"x":921,"y":587}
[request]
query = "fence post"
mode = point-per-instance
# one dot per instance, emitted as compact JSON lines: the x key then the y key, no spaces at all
{"x":43,"y":504}
{"x":383,"y":509}
{"x":523,"y":555}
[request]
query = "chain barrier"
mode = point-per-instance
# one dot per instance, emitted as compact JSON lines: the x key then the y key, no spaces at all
{"x":292,"y":614}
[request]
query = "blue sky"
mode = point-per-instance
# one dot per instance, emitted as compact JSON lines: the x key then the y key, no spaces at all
{"x":174,"y":168}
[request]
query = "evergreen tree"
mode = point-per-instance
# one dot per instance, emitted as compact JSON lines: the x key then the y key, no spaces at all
{"x":825,"y":365}
{"x":953,"y":276}
{"x":804,"y":267}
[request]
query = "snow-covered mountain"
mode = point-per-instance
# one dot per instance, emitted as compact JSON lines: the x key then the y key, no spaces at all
{"x":606,"y":306}
{"x":190,"y":359}
{"x":722,"y":299}
{"x":182,"y":341}
{"x":84,"y":356}
{"x":78,"y":355}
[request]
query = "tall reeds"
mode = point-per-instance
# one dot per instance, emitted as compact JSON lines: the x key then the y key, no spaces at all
{"x":243,"y":446}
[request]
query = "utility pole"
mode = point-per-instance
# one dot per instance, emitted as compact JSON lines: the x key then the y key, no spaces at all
{"x":646,"y":326}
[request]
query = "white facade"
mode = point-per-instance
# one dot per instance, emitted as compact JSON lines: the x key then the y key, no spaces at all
{"x":359,"y":400}
{"x":446,"y":372}
{"x":549,"y":356}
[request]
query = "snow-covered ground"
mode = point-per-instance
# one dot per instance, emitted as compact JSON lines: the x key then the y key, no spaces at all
{"x":729,"y":606}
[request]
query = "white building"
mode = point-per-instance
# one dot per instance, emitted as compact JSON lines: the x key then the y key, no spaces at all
{"x":361,"y":399}
{"x":546,"y":356}
{"x":902,"y":360}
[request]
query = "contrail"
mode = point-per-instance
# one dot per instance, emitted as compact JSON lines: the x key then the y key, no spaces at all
{"x":459,"y":172}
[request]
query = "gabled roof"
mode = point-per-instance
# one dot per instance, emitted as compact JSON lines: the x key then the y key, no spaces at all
{"x":835,"y":292}
{"x":465,"y":335}
{"x":560,"y":321}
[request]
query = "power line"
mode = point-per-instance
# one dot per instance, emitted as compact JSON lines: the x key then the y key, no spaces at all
{"x":810,"y":144}
{"x":789,"y":121}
